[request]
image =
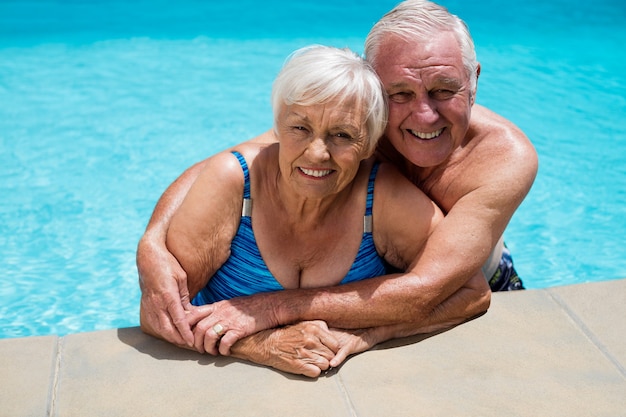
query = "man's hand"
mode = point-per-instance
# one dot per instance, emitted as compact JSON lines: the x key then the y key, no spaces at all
{"x":218,"y":326}
{"x":164,"y":295}
{"x":352,"y":342}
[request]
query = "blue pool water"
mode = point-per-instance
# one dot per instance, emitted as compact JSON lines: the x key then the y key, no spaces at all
{"x":104,"y":103}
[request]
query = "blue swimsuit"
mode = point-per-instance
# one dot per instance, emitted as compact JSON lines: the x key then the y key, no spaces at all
{"x":245,"y":272}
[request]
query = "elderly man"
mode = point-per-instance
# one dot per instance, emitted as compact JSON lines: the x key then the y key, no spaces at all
{"x":475,"y":165}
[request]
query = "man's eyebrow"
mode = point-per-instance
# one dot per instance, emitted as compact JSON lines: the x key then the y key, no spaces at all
{"x":398,"y":85}
{"x":449,"y":81}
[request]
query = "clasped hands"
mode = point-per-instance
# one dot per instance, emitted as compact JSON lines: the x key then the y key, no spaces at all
{"x":308,"y":347}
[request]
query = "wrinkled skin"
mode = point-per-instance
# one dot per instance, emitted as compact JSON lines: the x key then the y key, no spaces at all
{"x":306,"y":348}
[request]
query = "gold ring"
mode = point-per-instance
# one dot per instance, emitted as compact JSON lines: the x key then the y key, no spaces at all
{"x":218,"y":329}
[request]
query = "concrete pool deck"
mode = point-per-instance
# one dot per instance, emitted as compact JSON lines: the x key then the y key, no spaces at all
{"x":554,"y":352}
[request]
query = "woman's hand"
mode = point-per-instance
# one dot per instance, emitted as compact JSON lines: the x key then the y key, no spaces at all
{"x":306,"y":348}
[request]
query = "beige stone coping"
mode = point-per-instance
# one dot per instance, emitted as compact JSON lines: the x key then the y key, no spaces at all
{"x":553,"y":352}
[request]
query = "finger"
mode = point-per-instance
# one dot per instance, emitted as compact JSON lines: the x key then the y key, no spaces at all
{"x":330,"y":341}
{"x":316,"y":348}
{"x":322,"y":364}
{"x":312,"y":365}
{"x":158,"y":324}
{"x":180,"y":324}
{"x":183,"y":289}
{"x":310,"y":370}
{"x":319,"y":323}
{"x":164,"y":329}
{"x":198,"y":339}
{"x":341,"y":356}
{"x":195,"y":314}
{"x":212,"y":337}
{"x":227,"y":341}
{"x":168,"y":331}
{"x":200,"y":332}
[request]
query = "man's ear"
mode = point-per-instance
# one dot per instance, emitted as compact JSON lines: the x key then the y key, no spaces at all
{"x":473,"y":99}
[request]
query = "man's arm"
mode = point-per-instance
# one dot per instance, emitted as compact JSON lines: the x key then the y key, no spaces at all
{"x":434,"y":293}
{"x":480,"y":192}
{"x":164,"y":290}
{"x":479,"y":206}
{"x":163,"y":282}
{"x":360,"y":340}
{"x":401,"y":299}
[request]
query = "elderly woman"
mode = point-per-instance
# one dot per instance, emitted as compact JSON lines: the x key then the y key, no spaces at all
{"x":311,"y":210}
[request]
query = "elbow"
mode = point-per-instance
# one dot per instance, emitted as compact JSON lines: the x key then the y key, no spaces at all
{"x":482,"y":302}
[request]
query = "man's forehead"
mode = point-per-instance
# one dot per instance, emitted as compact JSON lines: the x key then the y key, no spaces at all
{"x":404,"y":75}
{"x":397,"y":49}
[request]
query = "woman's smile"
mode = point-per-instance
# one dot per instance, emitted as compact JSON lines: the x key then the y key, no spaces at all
{"x":317,"y":173}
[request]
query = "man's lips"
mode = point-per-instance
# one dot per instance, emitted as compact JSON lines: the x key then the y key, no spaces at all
{"x":425,"y":135}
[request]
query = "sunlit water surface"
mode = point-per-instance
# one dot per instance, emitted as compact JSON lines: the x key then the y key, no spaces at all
{"x":104,"y":103}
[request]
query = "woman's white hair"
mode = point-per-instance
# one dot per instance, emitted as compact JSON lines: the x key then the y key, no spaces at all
{"x":416,"y":20}
{"x":320,"y":74}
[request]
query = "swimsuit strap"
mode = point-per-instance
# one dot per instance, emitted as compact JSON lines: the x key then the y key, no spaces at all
{"x":247,"y":201}
{"x":246,"y":210}
{"x":246,"y":174}
{"x":370,"y":189}
{"x":367,"y":219}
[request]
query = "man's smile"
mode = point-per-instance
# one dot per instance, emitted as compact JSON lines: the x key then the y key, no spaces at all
{"x":425,"y":135}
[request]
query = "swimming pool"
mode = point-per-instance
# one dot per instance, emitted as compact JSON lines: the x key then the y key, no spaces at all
{"x":104,"y":103}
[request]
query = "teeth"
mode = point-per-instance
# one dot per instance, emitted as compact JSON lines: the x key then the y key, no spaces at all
{"x":423,"y":135}
{"x":316,"y":172}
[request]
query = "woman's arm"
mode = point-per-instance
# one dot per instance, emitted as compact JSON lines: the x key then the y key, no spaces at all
{"x":203,"y":227}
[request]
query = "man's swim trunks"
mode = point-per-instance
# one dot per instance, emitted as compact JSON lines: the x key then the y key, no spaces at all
{"x":505,"y":278}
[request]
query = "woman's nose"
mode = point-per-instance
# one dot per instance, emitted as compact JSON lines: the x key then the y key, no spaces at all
{"x":318,"y":150}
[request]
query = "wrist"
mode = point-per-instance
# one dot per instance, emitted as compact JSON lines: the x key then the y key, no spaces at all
{"x":285,"y":309}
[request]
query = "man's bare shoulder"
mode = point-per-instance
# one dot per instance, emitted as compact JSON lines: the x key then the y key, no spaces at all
{"x":496,"y":156}
{"x":492,"y":137}
{"x":497,"y":131}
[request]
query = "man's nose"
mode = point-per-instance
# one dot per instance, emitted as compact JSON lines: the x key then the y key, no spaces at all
{"x":425,"y":110}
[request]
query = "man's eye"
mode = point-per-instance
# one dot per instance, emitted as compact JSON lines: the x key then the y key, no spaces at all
{"x":401,"y":97}
{"x":441,"y":94}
